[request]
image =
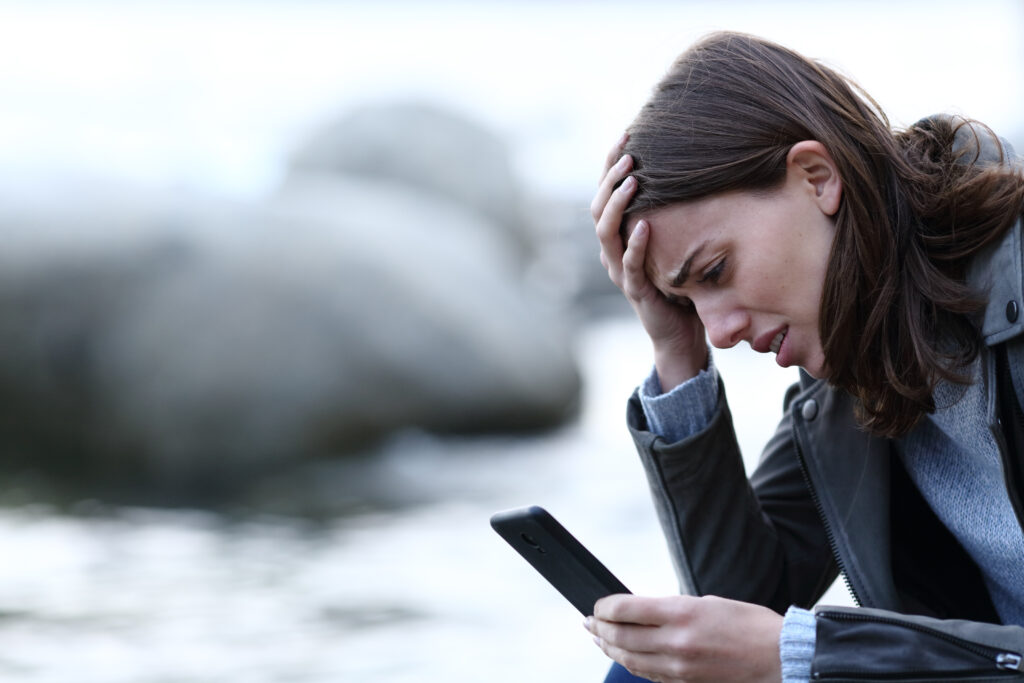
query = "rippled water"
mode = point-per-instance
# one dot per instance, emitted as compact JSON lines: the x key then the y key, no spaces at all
{"x":421,"y":592}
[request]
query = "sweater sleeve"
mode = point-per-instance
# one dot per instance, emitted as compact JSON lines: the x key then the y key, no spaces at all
{"x":683,"y":411}
{"x":796,"y":645}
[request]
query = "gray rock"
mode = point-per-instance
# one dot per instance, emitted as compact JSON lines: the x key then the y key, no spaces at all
{"x":424,"y":147}
{"x":181,"y":344}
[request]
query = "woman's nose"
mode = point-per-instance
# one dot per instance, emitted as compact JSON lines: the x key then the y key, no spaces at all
{"x":725,"y":328}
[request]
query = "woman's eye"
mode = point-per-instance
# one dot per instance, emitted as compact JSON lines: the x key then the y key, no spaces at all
{"x":714,"y":273}
{"x":681,"y":301}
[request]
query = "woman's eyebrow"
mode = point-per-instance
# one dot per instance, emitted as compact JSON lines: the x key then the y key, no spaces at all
{"x":684,"y":271}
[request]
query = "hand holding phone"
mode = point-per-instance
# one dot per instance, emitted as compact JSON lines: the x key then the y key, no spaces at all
{"x":558,"y":556}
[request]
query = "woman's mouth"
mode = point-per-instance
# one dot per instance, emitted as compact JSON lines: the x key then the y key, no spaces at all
{"x":777,"y":341}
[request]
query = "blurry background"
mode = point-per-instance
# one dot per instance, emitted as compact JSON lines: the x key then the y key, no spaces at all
{"x":294,"y":295}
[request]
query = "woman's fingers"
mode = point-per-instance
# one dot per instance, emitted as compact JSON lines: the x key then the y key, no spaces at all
{"x":642,"y":664}
{"x":616,"y":165}
{"x":632,"y":637}
{"x":643,"y":650}
{"x":643,"y":610}
{"x":613,"y":194}
{"x":606,"y":187}
{"x":608,"y":228}
{"x":635,"y":283}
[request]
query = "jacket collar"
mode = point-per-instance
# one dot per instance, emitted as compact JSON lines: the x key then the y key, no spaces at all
{"x":996,"y":272}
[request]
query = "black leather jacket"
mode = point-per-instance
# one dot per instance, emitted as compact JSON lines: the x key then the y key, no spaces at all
{"x":826,"y":498}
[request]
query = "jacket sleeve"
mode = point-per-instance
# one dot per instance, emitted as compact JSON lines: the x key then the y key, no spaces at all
{"x":862,"y":643}
{"x":758,"y":540}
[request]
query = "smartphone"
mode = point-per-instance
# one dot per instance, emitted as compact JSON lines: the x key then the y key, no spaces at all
{"x":558,"y":556}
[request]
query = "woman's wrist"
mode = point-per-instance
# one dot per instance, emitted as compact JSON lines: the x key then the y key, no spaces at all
{"x":675,"y":367}
{"x":685,"y":410}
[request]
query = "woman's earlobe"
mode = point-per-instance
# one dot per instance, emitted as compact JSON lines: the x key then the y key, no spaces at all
{"x":816,"y":166}
{"x":830,"y":195}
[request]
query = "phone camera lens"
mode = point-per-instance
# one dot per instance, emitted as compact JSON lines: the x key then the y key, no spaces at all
{"x":529,"y":539}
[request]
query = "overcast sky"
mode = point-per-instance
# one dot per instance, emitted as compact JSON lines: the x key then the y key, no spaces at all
{"x":212,"y":95}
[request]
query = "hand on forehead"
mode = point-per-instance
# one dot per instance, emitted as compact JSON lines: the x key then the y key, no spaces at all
{"x":628,"y":226}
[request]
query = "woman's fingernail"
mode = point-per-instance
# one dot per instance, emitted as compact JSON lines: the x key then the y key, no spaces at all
{"x":629,"y":183}
{"x":641,"y":229}
{"x":597,"y":641}
{"x":587,"y":622}
{"x":625,"y":136}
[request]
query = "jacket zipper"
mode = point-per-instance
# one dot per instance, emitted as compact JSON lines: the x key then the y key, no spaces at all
{"x":962,"y":675}
{"x":1004,"y":661}
{"x":1005,"y":376}
{"x":829,"y":534}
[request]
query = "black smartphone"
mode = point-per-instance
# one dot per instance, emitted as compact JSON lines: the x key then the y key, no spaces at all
{"x":558,"y":556}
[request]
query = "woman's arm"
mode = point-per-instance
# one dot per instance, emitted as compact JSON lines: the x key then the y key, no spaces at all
{"x":683,"y":638}
{"x":682,"y":370}
{"x":775,"y":555}
{"x":762,"y":543}
{"x":701,"y":490}
{"x":675,"y":416}
{"x":676,"y":333}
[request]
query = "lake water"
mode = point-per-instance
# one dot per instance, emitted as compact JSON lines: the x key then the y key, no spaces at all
{"x":421,"y":592}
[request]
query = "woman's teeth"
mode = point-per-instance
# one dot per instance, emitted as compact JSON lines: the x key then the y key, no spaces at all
{"x":777,"y":342}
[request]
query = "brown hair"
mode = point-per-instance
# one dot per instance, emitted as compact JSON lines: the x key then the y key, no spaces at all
{"x":896,"y":314}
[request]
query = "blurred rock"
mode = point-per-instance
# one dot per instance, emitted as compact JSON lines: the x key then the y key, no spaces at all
{"x":443,"y":154}
{"x":424,"y":147}
{"x":167,"y":348}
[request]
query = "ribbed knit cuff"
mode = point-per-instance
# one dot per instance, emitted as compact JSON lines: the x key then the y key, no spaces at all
{"x":796,"y":645}
{"x":685,"y":410}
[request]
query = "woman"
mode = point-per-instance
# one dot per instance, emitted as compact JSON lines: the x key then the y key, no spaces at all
{"x":759,"y":197}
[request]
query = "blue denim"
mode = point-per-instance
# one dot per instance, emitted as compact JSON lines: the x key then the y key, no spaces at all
{"x":618,"y":674}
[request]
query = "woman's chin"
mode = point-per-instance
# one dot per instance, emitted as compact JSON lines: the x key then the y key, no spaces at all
{"x":816,"y":368}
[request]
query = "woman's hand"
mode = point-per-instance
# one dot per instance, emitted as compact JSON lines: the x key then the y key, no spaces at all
{"x":685,"y":638}
{"x":676,"y":332}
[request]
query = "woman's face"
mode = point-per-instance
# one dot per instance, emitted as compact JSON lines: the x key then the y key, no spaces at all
{"x":752,"y":264}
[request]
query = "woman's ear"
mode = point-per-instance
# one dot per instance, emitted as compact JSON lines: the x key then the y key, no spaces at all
{"x":810,"y":165}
